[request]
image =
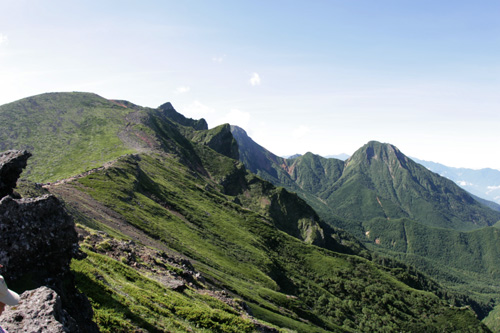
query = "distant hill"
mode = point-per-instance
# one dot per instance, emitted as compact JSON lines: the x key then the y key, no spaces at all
{"x":485,"y":183}
{"x":342,"y":156}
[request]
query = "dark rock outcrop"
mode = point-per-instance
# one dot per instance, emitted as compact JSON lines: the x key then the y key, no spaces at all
{"x":168,"y":110}
{"x":37,"y":236}
{"x":39,"y":310}
{"x":12,"y":163}
{"x":37,"y":242}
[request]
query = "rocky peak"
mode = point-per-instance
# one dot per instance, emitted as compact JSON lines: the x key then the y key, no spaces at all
{"x":375,"y":154}
{"x":168,"y":110}
{"x":223,"y":141}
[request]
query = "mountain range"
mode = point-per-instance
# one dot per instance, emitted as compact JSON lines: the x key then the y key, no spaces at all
{"x":396,"y":207}
{"x":187,"y":228}
{"x":484,"y":183}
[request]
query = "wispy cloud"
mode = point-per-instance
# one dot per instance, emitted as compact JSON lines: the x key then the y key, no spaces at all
{"x":198,"y":110}
{"x":236,"y":117}
{"x":3,"y":39}
{"x":182,"y":90}
{"x":492,"y":188}
{"x":255,"y":79}
{"x":301,"y":131}
{"x":219,"y":59}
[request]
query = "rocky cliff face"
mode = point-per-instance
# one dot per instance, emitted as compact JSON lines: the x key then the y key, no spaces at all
{"x":37,"y":242}
{"x":12,"y":163}
{"x":37,"y":237}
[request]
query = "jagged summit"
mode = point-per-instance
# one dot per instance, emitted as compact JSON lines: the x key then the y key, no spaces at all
{"x":169,"y":111}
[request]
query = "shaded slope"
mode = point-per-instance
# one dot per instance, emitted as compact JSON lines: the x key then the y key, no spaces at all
{"x":259,"y":160}
{"x":219,"y":139}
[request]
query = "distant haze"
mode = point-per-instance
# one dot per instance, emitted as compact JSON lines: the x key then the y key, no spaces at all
{"x":342,"y":156}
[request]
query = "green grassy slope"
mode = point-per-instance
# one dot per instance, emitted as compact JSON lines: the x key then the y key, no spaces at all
{"x":493,"y":319}
{"x":284,"y":280}
{"x":463,"y":261}
{"x":58,"y":127}
{"x":313,"y":173}
{"x":126,"y":299}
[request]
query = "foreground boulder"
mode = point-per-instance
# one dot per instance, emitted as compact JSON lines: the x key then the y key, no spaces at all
{"x":36,"y":236}
{"x":39,"y":310}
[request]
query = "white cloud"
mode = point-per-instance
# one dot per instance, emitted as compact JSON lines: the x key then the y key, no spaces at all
{"x":219,"y":59}
{"x":463,"y":183}
{"x":301,"y":132}
{"x":236,"y":117}
{"x":3,"y":39}
{"x":255,"y":79}
{"x":492,"y":188}
{"x":182,"y":90}
{"x":197,"y":110}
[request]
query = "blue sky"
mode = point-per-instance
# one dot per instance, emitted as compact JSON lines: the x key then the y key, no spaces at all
{"x":320,"y":76}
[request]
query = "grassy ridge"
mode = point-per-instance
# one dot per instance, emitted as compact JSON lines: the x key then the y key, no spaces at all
{"x":58,"y":127}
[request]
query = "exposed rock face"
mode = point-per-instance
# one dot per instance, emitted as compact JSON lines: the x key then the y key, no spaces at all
{"x":36,"y":236}
{"x":39,"y":310}
{"x":12,"y":163}
{"x":37,"y":242}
